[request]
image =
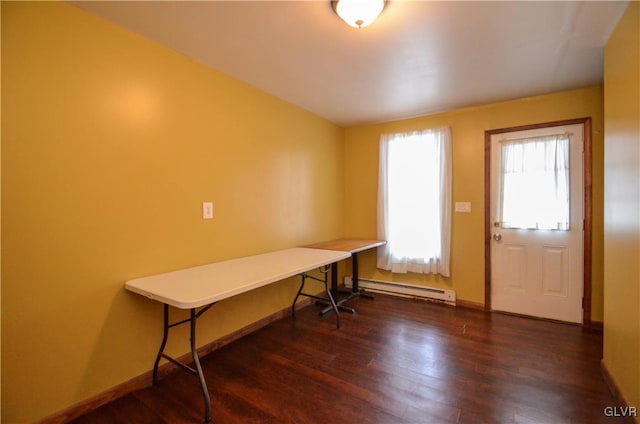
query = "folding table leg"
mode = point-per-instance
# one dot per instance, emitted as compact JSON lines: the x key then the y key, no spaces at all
{"x":330,"y":299}
{"x":196,"y":360}
{"x":295,"y":299}
{"x":334,"y":291}
{"x":165,"y":335}
{"x":333,"y":304}
{"x":194,"y":353}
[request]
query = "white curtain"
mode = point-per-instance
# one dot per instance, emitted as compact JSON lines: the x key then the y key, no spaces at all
{"x":414,"y":201}
{"x":535,"y":183}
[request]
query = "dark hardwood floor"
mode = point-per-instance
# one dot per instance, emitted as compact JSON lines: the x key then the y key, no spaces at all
{"x":395,"y":361}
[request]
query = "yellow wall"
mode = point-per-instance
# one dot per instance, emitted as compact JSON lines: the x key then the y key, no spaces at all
{"x":622,"y":205}
{"x":110,"y":143}
{"x":468,"y":127}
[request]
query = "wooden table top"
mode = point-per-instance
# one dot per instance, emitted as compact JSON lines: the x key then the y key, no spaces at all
{"x":347,"y":245}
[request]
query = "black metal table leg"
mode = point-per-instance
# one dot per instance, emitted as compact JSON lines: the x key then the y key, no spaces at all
{"x":355,"y":288}
{"x":196,"y":360}
{"x":194,"y":353}
{"x":329,"y":300}
{"x":330,"y":294}
{"x":165,"y":335}
{"x":334,"y":292}
{"x":334,"y":280}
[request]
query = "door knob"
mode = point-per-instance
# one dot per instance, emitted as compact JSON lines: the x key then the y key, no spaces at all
{"x":497,"y":236}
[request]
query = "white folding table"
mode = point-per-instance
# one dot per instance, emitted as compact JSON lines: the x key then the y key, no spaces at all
{"x":203,"y":286}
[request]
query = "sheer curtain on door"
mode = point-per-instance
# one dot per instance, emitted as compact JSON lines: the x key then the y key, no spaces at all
{"x":535,"y":183}
{"x":414,"y":201}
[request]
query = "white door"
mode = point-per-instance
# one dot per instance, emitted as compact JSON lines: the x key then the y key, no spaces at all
{"x":537,"y":222}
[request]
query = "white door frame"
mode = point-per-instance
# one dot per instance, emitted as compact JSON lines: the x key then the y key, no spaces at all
{"x":586,"y":122}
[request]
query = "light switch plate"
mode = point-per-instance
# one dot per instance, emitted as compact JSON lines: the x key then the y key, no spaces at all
{"x":207,"y":210}
{"x":464,"y":207}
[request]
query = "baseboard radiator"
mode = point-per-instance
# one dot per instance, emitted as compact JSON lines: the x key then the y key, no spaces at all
{"x":404,"y":290}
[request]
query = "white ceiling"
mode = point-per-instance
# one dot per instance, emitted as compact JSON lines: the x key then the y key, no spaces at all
{"x":419,"y":57}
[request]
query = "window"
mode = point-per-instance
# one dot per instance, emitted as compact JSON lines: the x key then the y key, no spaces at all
{"x":414,"y":201}
{"x":535,"y":183}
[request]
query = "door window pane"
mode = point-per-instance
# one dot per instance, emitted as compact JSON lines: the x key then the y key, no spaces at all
{"x":535,"y":183}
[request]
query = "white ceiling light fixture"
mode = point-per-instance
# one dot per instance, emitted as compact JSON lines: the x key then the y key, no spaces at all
{"x":358,"y":13}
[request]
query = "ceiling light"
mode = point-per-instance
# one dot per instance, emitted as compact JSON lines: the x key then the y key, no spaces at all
{"x":358,"y":13}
